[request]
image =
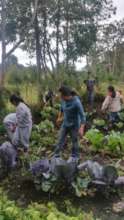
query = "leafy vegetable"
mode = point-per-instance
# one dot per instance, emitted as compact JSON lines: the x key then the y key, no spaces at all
{"x":80,"y":186}
{"x":45,"y":127}
{"x":36,"y":211}
{"x":115,"y":141}
{"x":120,"y":125}
{"x":95,"y":137}
{"x":49,"y":113}
{"x":99,"y":122}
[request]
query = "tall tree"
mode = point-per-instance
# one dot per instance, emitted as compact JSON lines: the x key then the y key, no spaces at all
{"x":16,"y":21}
{"x":3,"y":37}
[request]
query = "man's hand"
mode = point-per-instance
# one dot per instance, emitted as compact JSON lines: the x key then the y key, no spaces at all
{"x":81,"y":131}
{"x":58,"y":122}
{"x":59,"y":119}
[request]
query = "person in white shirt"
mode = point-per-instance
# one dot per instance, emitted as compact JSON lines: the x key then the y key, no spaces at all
{"x":113,"y":104}
{"x":10,"y":123}
{"x":24,"y":123}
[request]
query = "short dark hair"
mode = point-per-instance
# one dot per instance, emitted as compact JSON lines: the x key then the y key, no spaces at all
{"x":65,"y":90}
{"x":112,"y":89}
{"x":16,"y":99}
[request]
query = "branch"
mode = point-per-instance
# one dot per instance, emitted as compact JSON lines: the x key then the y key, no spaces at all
{"x":26,"y":30}
{"x":14,"y":48}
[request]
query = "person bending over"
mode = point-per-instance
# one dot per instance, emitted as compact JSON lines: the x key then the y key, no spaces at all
{"x":10,"y":123}
{"x":24,"y":123}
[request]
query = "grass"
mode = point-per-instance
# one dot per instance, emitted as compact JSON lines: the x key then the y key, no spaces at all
{"x":30,"y":92}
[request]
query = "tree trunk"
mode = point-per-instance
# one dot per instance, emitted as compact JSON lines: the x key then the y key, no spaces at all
{"x":45,"y":38}
{"x":57,"y":34}
{"x":67,"y":36}
{"x":49,"y":54}
{"x":38,"y":46}
{"x":3,"y":36}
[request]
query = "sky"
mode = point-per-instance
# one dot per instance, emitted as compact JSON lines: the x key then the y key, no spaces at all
{"x":23,"y":57}
{"x":120,"y":8}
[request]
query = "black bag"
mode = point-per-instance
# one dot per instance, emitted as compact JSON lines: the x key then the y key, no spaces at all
{"x":65,"y":170}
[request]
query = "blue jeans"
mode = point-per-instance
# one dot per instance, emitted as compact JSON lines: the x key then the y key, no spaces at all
{"x":73,"y":132}
{"x":113,"y":116}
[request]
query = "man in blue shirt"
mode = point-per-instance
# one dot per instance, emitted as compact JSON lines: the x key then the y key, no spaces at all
{"x":73,"y":122}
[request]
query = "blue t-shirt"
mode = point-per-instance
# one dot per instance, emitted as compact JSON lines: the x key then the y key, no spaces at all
{"x":73,"y":112}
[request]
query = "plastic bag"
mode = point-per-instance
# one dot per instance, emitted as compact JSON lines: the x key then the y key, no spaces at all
{"x":40,"y":167}
{"x":66,"y":170}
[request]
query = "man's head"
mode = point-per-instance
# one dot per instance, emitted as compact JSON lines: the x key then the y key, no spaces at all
{"x":66,"y":93}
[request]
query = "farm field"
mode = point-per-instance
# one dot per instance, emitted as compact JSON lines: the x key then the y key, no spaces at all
{"x":61,"y":110}
{"x":100,"y":139}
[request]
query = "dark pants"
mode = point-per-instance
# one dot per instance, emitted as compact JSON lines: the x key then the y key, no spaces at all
{"x":90,"y":98}
{"x":113,"y":117}
{"x":73,"y":132}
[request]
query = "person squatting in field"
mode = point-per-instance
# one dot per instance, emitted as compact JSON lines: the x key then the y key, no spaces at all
{"x":113,"y":104}
{"x":73,"y":121}
{"x":10,"y":123}
{"x":23,"y":128}
{"x":8,"y":155}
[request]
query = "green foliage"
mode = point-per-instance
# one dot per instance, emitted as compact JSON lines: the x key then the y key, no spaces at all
{"x":36,"y":211}
{"x":48,"y":185}
{"x":99,"y":122}
{"x":48,"y":141}
{"x":2,"y":129}
{"x":121,"y":116}
{"x":95,"y":137}
{"x":48,"y":113}
{"x":4,"y":94}
{"x":115,"y":141}
{"x":45,"y":127}
{"x":120,"y":125}
{"x":43,"y":136}
{"x":57,"y":106}
{"x":35,"y":137}
{"x":80,"y":186}
{"x":18,"y":75}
